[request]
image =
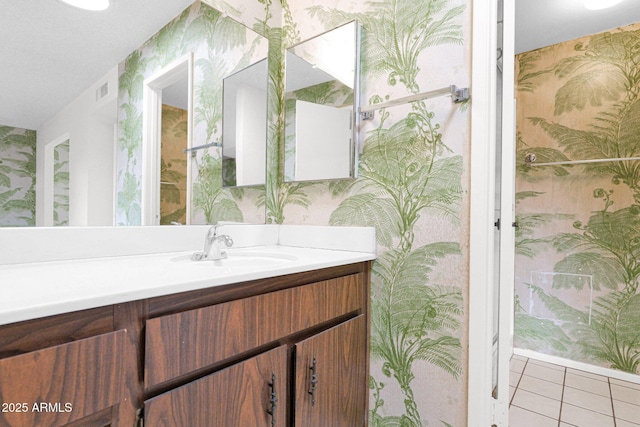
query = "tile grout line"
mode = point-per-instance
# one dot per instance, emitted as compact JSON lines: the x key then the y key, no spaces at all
{"x":533,"y":412}
{"x":564,"y":380}
{"x":518,"y":384}
{"x":589,"y":375}
{"x":564,"y":387}
{"x":613,"y":410}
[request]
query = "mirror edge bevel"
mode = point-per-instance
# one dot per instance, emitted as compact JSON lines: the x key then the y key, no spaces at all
{"x":355,"y":140}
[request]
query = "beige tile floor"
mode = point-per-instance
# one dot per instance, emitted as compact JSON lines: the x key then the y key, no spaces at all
{"x":543,"y":394}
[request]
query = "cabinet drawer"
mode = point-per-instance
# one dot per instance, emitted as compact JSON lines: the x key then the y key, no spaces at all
{"x":181,"y":343}
{"x":239,"y":395}
{"x":57,"y":385}
{"x":323,"y":301}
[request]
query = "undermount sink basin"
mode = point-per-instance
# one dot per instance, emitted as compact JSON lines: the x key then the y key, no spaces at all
{"x":239,"y":257}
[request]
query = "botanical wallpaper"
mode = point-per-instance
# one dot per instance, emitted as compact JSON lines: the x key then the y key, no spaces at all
{"x":17,"y":177}
{"x":61,"y":184}
{"x":220,"y":47}
{"x":411,"y":186}
{"x":578,"y":244}
{"x":412,"y":180}
{"x":173,"y":166}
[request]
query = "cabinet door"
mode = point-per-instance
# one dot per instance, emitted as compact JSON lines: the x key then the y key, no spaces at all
{"x":60,"y":385}
{"x":330,"y":377}
{"x":240,"y":395}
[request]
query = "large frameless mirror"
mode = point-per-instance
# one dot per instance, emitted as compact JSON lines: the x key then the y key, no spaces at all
{"x":321,"y":101}
{"x":95,"y":100}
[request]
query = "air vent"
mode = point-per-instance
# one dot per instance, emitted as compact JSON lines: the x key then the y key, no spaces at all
{"x":102,"y":91}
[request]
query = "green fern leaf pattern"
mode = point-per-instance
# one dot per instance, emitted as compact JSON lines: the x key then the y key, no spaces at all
{"x":17,"y":177}
{"x":601,"y":247}
{"x":369,"y":210}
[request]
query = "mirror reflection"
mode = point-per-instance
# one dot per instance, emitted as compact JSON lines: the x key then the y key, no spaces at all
{"x":17,"y":176}
{"x":103,"y":121}
{"x":321,"y":100}
{"x":244,"y":127}
{"x":210,"y":46}
{"x":61,"y":184}
{"x":174,"y":136}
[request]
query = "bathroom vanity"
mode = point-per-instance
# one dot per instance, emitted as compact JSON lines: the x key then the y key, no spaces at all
{"x":233,"y":344}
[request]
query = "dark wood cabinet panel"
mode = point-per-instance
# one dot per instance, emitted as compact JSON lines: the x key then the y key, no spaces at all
{"x":60,"y":384}
{"x":239,"y":395}
{"x":100,"y":419}
{"x":186,"y":342}
{"x":181,"y":344}
{"x":323,"y":301}
{"x":175,"y":303}
{"x":331,"y":377}
{"x":30,"y":335}
{"x":198,"y":358}
{"x":131,"y":316}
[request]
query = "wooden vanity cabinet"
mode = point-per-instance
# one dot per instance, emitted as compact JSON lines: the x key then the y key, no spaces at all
{"x":283,"y":351}
{"x":65,"y":370}
{"x":304,"y":342}
{"x":248,"y":393}
{"x":330,"y":376}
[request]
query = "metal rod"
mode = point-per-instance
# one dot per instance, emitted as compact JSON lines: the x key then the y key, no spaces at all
{"x":578,"y":162}
{"x":200,"y":147}
{"x":457,"y":95}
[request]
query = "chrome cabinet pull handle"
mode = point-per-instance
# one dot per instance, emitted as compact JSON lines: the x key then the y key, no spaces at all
{"x":314,"y":382}
{"x":273,"y":400}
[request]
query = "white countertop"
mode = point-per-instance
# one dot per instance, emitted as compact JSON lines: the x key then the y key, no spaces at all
{"x":38,"y":289}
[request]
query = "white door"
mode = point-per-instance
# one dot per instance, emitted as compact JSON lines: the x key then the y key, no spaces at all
{"x":492,"y":197}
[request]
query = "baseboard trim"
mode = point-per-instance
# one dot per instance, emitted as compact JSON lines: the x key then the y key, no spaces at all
{"x":567,"y":363}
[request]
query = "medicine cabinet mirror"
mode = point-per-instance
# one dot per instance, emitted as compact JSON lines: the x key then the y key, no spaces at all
{"x":244,"y":126}
{"x":321,"y":101}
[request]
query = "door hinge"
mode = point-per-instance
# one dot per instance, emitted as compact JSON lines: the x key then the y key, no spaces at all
{"x":499,"y":413}
{"x":498,"y":223}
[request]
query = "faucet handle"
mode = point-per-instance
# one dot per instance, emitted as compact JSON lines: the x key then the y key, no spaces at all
{"x":228,"y":241}
{"x":198,"y":256}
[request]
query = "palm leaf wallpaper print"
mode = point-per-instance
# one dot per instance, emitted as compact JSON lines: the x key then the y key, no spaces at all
{"x":410,"y":188}
{"x":61,"y":184}
{"x":577,"y":280}
{"x":17,"y":177}
{"x":412,"y":183}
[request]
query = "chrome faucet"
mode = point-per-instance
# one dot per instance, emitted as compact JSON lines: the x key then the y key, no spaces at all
{"x":213,"y":249}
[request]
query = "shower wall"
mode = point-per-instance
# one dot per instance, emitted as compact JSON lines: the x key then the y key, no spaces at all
{"x":578,"y":241}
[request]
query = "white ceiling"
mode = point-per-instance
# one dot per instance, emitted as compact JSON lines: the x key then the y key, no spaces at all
{"x":542,"y":23}
{"x":50,"y":52}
